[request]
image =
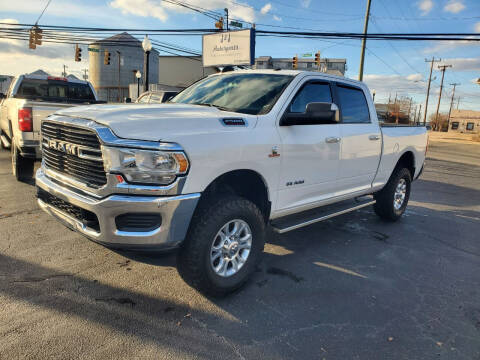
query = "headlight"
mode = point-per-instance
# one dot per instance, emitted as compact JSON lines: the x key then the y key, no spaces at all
{"x":145,"y":166}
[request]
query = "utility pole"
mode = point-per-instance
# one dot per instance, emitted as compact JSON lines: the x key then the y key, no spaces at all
{"x":428,"y":88}
{"x":442,"y":68}
{"x":451,"y":103}
{"x":64,"y":70}
{"x":395,"y":109}
{"x":119,"y":98}
{"x":419,"y":114}
{"x":85,"y":76}
{"x":364,"y":41}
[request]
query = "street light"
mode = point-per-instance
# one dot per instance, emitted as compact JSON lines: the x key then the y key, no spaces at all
{"x":147,"y":47}
{"x":138,"y":75}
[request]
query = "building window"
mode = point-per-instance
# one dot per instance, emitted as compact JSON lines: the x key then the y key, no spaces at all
{"x":455,"y":125}
{"x":470,"y":126}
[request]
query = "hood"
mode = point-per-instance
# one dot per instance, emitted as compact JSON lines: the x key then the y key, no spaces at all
{"x":159,"y":122}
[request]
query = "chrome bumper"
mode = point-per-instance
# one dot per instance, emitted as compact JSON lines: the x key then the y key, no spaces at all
{"x":176,"y":213}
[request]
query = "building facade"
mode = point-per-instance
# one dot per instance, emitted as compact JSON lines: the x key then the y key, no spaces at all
{"x":464,"y":121}
{"x":111,"y":82}
{"x":329,"y":66}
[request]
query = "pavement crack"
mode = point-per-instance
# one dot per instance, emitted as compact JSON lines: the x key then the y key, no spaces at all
{"x":9,"y":215}
{"x":39,"y":278}
{"x":119,"y":300}
{"x":285,"y":273}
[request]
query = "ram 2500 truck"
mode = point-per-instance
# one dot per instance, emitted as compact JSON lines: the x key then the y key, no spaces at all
{"x":29,"y":99}
{"x":228,"y":157}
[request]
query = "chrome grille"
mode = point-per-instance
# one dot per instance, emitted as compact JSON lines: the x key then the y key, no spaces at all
{"x":82,"y":161}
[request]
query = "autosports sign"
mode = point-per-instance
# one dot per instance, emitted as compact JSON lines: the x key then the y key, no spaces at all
{"x":229,"y":48}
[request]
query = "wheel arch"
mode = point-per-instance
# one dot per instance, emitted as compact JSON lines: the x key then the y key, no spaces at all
{"x":246,"y":183}
{"x":407,"y":160}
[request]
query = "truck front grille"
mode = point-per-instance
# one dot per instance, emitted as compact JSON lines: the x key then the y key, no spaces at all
{"x":74,"y":152}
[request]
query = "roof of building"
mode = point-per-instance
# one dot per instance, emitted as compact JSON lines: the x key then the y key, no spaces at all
{"x":122,"y":39}
{"x":468,"y":114}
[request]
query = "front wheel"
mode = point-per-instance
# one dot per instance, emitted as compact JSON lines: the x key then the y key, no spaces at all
{"x":223,"y":245}
{"x":392,"y":200}
{"x":22,"y":168}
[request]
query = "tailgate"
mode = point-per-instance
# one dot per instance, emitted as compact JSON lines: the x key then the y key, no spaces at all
{"x":40,"y":110}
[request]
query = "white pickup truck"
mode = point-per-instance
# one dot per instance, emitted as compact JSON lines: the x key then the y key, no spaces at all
{"x":229,"y":156}
{"x":28,"y":100}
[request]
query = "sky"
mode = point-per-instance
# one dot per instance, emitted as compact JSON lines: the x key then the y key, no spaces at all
{"x":391,"y":67}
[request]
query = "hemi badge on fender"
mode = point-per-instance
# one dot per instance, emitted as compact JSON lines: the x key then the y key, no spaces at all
{"x":233,"y":122}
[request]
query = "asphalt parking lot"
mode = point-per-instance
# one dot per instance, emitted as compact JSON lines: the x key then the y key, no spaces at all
{"x":350,"y":288}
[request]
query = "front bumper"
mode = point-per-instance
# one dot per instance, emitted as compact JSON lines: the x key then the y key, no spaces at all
{"x":175,"y":211}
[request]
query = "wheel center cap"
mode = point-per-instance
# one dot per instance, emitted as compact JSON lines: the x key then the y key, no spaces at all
{"x":232,"y":248}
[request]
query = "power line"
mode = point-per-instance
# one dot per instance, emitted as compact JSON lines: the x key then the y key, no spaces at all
{"x":41,"y":14}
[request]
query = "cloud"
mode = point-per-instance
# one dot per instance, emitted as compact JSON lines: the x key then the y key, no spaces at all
{"x":462,"y":64}
{"x":160,"y":9}
{"x":477,"y":27}
{"x":306,"y":3}
{"x":277,"y":18}
{"x":425,"y":6}
{"x":143,"y":8}
{"x":454,"y":6}
{"x":264,"y":10}
{"x":404,"y":85}
{"x":449,"y":45}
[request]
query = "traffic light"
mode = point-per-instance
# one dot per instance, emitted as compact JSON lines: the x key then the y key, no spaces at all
{"x":78,"y":53}
{"x":31,"y":40}
{"x":106,"y":58}
{"x":219,"y":24}
{"x":38,"y":35}
{"x":295,"y":62}
{"x":317,"y":59}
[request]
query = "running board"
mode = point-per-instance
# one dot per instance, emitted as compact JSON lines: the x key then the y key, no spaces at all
{"x":305,"y":218}
{"x":5,"y":141}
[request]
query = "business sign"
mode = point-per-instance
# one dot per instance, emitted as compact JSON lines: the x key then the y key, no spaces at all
{"x":229,"y":48}
{"x":307,"y":55}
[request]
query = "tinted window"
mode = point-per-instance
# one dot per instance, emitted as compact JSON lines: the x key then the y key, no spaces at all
{"x":54,"y":90}
{"x":311,"y":92}
{"x":244,"y":93}
{"x":454,"y":125}
{"x":353,"y":105}
{"x":470,"y":126}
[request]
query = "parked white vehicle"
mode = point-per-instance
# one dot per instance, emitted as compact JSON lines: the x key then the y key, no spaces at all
{"x":29,"y":99}
{"x":234,"y":153}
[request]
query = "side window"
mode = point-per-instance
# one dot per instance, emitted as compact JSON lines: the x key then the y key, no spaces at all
{"x":155,"y":98}
{"x":454,"y":125}
{"x":311,"y":92}
{"x":470,"y":126}
{"x":353,"y":105}
{"x":143,"y":99}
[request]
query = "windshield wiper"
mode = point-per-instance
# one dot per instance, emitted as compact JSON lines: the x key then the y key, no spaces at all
{"x":223,"y":108}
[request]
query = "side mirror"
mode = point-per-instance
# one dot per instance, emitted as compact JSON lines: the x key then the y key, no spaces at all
{"x":128,"y":100}
{"x":2,"y":96}
{"x":316,"y":113}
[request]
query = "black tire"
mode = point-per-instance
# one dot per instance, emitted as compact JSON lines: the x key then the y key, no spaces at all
{"x":194,"y":264}
{"x":22,"y":168}
{"x":384,"y":207}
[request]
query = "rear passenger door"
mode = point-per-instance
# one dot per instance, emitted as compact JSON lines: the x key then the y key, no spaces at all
{"x":361,"y":140}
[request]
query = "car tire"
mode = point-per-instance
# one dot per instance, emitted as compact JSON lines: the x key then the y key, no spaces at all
{"x":392,"y":200}
{"x":22,"y":168}
{"x":207,"y":258}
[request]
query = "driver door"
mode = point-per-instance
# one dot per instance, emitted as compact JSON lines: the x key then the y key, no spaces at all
{"x":310,"y":153}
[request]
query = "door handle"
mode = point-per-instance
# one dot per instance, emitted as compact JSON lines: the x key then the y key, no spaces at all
{"x":374,"y":137}
{"x":332,"y":140}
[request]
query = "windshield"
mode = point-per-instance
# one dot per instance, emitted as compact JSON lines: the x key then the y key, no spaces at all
{"x":55,"y":91}
{"x":244,"y":93}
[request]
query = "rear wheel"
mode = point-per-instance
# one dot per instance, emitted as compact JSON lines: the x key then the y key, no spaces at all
{"x":392,"y":200}
{"x":223,"y":245}
{"x":22,"y":168}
